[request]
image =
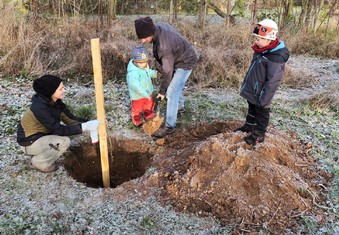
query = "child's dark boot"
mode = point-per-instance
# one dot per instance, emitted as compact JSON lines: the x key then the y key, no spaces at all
{"x":255,"y":137}
{"x":245,"y":128}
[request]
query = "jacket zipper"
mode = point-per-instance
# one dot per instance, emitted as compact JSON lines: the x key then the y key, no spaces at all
{"x":248,"y":74}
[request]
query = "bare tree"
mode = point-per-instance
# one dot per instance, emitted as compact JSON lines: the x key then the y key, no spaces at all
{"x":202,"y":12}
{"x":318,"y":6}
{"x":310,"y":13}
{"x":101,"y":12}
{"x":287,"y":5}
{"x":76,"y":7}
{"x":229,"y":19}
{"x":111,"y":14}
{"x":216,"y":9}
{"x":332,"y":7}
{"x":254,"y":10}
{"x":228,"y":13}
{"x":176,"y":9}
{"x":171,"y":12}
{"x":309,"y":9}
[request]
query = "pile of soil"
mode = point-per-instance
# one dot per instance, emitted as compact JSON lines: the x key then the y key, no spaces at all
{"x":209,"y":170}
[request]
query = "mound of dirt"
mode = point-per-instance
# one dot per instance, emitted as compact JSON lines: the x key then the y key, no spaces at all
{"x":209,"y":170}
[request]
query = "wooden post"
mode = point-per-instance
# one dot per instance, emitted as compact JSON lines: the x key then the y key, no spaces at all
{"x":99,"y":95}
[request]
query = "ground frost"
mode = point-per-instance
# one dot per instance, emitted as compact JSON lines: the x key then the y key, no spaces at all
{"x":36,"y":203}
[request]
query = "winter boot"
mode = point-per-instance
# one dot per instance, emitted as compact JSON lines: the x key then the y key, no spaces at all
{"x":255,"y":137}
{"x":245,"y":128}
{"x":163,"y":131}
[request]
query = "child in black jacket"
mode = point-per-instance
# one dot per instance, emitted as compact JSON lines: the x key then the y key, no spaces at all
{"x":262,"y":79}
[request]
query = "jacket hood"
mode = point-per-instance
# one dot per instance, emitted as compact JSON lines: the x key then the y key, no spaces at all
{"x":40,"y":98}
{"x":281,"y":51}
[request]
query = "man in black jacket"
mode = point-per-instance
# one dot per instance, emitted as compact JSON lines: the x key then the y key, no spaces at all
{"x":262,"y":79}
{"x":177,"y":58}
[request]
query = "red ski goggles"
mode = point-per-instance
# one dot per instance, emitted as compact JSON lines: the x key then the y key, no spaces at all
{"x":262,"y":30}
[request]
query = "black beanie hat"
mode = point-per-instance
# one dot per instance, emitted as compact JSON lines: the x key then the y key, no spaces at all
{"x":144,"y":27}
{"x":46,"y":85}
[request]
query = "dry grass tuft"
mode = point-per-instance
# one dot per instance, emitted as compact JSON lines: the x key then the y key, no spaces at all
{"x":326,"y":98}
{"x":326,"y":45}
{"x":297,"y":78}
{"x":34,"y":47}
{"x":224,"y":55}
{"x":63,"y":49}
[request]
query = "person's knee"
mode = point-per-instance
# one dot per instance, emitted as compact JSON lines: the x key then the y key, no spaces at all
{"x":65,"y":143}
{"x":170,"y":93}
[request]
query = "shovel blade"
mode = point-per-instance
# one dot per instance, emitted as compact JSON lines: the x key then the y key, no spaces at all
{"x":153,"y":125}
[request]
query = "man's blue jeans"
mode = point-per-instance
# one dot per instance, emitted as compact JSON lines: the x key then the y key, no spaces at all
{"x":174,"y":95}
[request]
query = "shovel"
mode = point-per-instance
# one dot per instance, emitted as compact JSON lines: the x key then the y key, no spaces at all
{"x":152,"y":125}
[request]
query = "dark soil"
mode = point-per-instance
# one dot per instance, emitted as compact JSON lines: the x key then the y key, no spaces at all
{"x":209,"y":170}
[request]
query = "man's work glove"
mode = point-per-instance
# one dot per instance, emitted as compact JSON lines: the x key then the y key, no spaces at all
{"x":92,"y":127}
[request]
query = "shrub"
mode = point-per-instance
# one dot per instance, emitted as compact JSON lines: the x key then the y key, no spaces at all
{"x":33,"y":47}
{"x":326,"y":98}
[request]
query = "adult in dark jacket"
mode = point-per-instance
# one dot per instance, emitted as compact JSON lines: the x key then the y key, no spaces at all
{"x":44,"y":128}
{"x":177,"y":58}
{"x":262,"y":79}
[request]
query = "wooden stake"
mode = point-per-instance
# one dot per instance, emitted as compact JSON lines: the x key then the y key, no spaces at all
{"x":99,"y":95}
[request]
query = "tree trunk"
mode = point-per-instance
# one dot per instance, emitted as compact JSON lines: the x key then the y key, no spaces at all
{"x":317,"y":11}
{"x":76,"y":8}
{"x":202,"y":13}
{"x":122,"y":8}
{"x":171,"y":12}
{"x":287,"y":5}
{"x":302,"y":15}
{"x":228,"y":19}
{"x":332,"y":6}
{"x":216,"y":9}
{"x":228,"y":14}
{"x":309,"y":8}
{"x":111,"y":14}
{"x":254,"y":11}
{"x":176,"y":9}
{"x":101,"y":17}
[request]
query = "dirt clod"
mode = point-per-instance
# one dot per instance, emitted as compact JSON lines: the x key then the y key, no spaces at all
{"x":160,"y":141}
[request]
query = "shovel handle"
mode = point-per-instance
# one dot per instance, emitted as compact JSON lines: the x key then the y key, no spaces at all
{"x":158,"y":102}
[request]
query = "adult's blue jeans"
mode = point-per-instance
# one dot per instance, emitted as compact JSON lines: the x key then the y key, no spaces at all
{"x":174,"y":95}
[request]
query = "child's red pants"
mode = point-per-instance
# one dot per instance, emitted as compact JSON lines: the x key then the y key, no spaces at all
{"x":140,"y":106}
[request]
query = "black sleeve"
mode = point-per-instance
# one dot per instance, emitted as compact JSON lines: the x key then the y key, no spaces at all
{"x":46,"y":118}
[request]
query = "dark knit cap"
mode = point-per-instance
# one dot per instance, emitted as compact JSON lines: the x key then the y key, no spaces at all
{"x":144,"y":27}
{"x":46,"y":85}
